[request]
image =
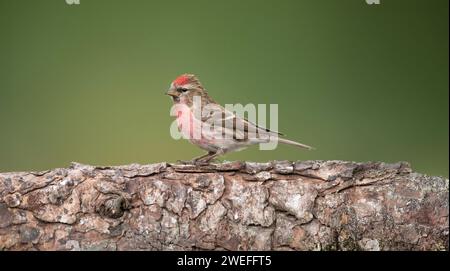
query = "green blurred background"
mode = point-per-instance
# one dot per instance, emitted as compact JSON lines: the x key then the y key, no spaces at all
{"x":359,"y":82}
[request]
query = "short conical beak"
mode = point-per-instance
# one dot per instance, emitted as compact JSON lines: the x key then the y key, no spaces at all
{"x":172,"y":93}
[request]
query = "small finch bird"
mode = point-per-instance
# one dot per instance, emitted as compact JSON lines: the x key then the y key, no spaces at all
{"x":210,"y":126}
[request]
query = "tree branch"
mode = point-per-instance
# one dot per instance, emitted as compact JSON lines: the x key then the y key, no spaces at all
{"x":281,"y":205}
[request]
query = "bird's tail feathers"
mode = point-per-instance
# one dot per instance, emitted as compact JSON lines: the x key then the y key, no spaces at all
{"x":290,"y":142}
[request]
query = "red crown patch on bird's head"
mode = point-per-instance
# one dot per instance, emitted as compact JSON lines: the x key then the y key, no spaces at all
{"x":183,"y":79}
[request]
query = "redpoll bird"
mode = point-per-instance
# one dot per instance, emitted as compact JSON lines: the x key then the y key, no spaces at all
{"x":234,"y":134}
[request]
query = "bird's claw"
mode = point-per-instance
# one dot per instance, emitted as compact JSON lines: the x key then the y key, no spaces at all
{"x":194,"y":162}
{"x":186,"y":162}
{"x":201,"y":163}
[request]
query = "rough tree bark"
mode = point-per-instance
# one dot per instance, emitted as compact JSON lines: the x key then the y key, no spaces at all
{"x":281,"y":205}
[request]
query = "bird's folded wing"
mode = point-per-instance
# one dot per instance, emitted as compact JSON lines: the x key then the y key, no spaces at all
{"x":228,"y":124}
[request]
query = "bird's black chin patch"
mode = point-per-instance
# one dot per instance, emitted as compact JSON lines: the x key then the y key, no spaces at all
{"x":176,"y":99}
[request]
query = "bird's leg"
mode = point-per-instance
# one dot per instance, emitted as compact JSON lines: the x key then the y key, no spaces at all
{"x":194,"y":160}
{"x":205,"y":160}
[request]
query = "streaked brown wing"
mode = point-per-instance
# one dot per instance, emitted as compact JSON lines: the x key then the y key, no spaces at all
{"x":240,"y":128}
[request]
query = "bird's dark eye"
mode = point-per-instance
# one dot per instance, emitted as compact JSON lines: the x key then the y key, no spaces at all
{"x":182,"y":89}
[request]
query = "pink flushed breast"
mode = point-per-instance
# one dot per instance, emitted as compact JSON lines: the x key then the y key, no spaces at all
{"x":187,"y":124}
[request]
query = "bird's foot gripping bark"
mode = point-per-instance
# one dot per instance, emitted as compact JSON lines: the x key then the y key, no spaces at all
{"x":186,"y":162}
{"x":202,"y":163}
{"x":203,"y":160}
{"x":196,"y":162}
